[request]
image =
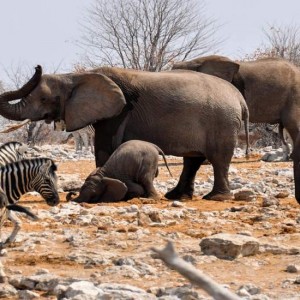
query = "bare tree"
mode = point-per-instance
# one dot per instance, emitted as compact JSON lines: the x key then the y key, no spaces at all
{"x":2,"y":89}
{"x":146,"y":34}
{"x":284,"y":41}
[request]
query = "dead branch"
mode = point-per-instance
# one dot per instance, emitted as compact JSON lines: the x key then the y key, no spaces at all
{"x":147,"y":34}
{"x":173,"y":261}
{"x":13,"y":127}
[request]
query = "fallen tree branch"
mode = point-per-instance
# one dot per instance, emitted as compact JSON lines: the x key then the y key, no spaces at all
{"x":13,"y":127}
{"x":173,"y":261}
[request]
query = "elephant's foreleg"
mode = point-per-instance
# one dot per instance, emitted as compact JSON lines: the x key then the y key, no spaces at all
{"x":150,"y":191}
{"x":185,"y":185}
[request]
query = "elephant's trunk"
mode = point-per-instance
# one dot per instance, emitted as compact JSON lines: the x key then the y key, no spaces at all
{"x":15,"y":111}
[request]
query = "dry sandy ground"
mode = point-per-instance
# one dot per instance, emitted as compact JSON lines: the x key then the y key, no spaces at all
{"x":264,"y":270}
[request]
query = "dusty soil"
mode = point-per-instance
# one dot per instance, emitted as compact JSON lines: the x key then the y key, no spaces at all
{"x":266,"y":271}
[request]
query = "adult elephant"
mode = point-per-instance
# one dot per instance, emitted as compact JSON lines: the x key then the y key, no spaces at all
{"x":185,"y":113}
{"x":271,"y":88}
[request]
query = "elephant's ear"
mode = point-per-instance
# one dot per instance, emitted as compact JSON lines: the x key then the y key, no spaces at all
{"x":115,"y":190}
{"x":94,"y":97}
{"x":220,"y":68}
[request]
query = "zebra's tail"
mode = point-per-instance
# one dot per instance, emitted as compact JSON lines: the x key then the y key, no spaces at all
{"x":22,"y":209}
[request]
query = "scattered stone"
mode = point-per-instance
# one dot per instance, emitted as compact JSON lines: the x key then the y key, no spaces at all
{"x":248,"y":289}
{"x":143,"y":219}
{"x":282,"y":194}
{"x":292,"y":268}
{"x":27,"y":295}
{"x":269,"y":201}
{"x":278,"y":250}
{"x":245,"y":195}
{"x":124,"y":291}
{"x":177,"y":204}
{"x":7,"y":291}
{"x":229,"y":246}
{"x":82,"y":288}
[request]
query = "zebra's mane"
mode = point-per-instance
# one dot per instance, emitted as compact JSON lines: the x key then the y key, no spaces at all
{"x":15,"y":143}
{"x":39,"y":160}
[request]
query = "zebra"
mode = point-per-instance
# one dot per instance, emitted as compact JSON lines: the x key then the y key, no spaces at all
{"x":18,"y":178}
{"x":11,"y":152}
{"x":84,"y":137}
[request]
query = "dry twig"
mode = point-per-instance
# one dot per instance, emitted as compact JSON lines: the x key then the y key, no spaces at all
{"x":13,"y":127}
{"x":172,"y":260}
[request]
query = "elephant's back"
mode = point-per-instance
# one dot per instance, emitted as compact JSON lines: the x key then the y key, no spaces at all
{"x":127,"y":161}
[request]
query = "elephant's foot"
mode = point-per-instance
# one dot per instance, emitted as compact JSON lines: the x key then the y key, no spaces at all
{"x":176,"y":194}
{"x":217,"y":196}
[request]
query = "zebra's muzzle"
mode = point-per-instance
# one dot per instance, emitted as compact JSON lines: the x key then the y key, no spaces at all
{"x":53,"y":201}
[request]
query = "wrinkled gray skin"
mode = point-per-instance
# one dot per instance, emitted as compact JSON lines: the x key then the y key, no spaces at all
{"x":128,"y":173}
{"x":185,"y":113}
{"x":271,"y":88}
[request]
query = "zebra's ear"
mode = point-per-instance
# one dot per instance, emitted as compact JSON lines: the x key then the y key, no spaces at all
{"x":22,"y":149}
{"x":54,"y":167}
{"x":45,"y":168}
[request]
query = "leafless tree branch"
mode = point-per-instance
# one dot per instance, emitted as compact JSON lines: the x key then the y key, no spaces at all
{"x":173,"y":261}
{"x":146,"y":34}
{"x":284,"y":42}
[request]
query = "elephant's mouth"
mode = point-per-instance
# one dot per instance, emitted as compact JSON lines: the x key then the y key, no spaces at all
{"x":50,"y":118}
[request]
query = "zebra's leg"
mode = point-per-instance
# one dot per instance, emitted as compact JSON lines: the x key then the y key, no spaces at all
{"x":85,"y":140}
{"x":17,"y":226}
{"x":77,"y":140}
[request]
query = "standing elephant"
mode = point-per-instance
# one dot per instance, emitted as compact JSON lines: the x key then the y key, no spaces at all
{"x":271,"y":88}
{"x":129,"y":172}
{"x":185,"y":113}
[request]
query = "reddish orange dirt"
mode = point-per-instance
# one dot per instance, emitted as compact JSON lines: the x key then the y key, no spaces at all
{"x":266,"y":271}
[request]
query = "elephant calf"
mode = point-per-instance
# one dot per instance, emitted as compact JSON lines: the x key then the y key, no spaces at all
{"x":128,"y":173}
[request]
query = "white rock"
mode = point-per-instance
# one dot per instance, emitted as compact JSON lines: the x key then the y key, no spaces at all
{"x":82,"y":288}
{"x":27,"y":295}
{"x":7,"y":291}
{"x":229,"y":246}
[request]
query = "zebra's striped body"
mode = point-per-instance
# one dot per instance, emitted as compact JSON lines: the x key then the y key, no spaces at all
{"x":29,"y":175}
{"x":24,"y":176}
{"x":11,"y":152}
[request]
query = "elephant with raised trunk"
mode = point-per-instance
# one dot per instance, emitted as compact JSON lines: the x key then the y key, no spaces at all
{"x":271,"y":87}
{"x":187,"y":114}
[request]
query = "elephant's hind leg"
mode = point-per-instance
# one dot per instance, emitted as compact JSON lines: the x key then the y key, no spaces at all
{"x":185,"y":185}
{"x":220,"y":189}
{"x":134,"y":190}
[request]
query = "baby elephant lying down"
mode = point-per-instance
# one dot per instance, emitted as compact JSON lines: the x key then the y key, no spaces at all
{"x":128,"y":173}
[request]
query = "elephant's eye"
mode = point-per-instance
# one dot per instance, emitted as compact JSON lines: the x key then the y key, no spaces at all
{"x":43,"y":99}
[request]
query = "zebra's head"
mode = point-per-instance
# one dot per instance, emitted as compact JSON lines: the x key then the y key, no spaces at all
{"x":45,"y":182}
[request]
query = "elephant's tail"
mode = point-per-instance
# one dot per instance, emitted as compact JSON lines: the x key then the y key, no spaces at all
{"x":245,"y":118}
{"x":165,"y":160}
